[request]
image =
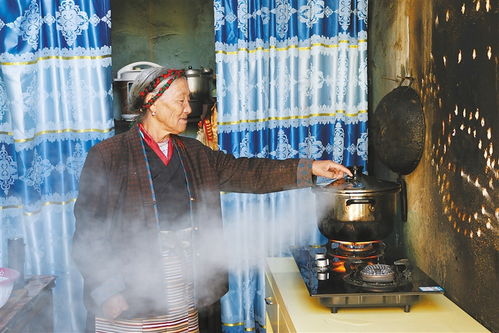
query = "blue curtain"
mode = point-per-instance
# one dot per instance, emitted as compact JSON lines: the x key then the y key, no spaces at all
{"x":291,"y":83}
{"x":55,"y":103}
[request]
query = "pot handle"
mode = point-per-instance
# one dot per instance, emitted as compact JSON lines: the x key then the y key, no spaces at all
{"x":131,"y":66}
{"x":403,"y":199}
{"x":360,"y":201}
{"x":408,"y":78}
{"x":269,"y":300}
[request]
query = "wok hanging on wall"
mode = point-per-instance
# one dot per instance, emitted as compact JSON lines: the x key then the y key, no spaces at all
{"x":398,"y":133}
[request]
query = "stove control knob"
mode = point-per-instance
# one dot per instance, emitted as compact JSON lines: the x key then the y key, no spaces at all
{"x":320,"y":256}
{"x":324,"y":262}
{"x":321,"y":265}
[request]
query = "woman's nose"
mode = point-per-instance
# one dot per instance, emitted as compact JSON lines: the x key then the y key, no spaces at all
{"x":188,"y":108}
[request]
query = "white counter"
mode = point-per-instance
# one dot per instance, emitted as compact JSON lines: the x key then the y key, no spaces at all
{"x":294,"y":310}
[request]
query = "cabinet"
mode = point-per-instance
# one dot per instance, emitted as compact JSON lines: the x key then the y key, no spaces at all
{"x":276,"y":312}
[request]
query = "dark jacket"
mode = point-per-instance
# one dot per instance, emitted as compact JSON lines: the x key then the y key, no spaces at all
{"x":116,"y":243}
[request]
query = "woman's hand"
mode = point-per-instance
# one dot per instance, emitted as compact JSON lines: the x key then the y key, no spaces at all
{"x":114,"y":306}
{"x":329,"y":169}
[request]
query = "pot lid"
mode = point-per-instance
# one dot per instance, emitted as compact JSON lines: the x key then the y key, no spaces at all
{"x":359,"y":184}
{"x":189,"y":72}
{"x":131,"y":71}
{"x":192,"y":72}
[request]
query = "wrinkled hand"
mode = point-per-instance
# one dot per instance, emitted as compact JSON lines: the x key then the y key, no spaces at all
{"x":114,"y":306}
{"x":329,"y":169}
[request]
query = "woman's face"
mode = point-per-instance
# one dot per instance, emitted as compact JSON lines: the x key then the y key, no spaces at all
{"x":172,"y":108}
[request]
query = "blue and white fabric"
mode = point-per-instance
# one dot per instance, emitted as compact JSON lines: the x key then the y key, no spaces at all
{"x":291,"y":83}
{"x":55,"y":103}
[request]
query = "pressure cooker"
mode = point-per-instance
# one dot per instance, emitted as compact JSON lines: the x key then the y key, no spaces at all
{"x":357,"y":209}
{"x":123,"y":82}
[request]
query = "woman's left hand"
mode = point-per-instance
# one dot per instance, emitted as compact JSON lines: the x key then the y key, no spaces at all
{"x":329,"y":169}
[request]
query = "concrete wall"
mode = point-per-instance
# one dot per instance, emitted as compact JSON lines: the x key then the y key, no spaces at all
{"x":452,"y":227}
{"x":168,"y":32}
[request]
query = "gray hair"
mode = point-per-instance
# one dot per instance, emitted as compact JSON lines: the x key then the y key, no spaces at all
{"x":141,"y":82}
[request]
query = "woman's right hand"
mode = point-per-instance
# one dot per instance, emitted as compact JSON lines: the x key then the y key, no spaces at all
{"x":329,"y":169}
{"x":114,"y":306}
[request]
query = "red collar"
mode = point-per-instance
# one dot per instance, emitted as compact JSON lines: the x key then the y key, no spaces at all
{"x":155,"y":147}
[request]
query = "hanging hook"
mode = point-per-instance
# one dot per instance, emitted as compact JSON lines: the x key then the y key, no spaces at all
{"x":403,"y":78}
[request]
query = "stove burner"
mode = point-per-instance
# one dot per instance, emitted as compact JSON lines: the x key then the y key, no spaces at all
{"x":377,"y":273}
{"x":355,"y":251}
{"x":353,"y":280}
{"x":338,"y":283}
{"x":379,"y":277}
{"x":355,"y":247}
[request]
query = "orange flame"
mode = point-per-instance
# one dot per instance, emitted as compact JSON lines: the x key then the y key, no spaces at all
{"x":339,"y":267}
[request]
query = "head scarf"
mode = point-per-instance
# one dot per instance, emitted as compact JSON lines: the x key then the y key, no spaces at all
{"x":171,"y":75}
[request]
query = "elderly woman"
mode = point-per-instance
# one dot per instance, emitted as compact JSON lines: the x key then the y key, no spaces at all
{"x":148,"y":216}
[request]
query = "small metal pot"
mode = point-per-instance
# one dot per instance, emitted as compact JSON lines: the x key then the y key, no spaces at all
{"x":199,"y":81}
{"x":357,"y":209}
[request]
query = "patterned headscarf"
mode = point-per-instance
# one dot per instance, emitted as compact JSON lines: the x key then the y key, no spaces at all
{"x":171,"y":75}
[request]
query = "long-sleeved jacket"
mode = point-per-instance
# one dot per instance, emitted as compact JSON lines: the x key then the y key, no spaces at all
{"x":116,"y":244}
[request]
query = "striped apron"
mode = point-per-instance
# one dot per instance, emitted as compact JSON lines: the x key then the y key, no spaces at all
{"x":180,"y":314}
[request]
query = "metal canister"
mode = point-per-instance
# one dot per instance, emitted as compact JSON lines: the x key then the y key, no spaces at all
{"x":16,"y":258}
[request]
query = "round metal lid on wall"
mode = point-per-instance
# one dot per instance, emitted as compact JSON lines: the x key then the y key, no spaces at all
{"x":398,"y":129}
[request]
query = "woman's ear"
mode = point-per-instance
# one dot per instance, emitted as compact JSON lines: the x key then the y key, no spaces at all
{"x":148,"y":97}
{"x":152,"y":108}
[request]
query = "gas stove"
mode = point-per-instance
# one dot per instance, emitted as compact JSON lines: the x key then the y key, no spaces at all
{"x":346,"y":275}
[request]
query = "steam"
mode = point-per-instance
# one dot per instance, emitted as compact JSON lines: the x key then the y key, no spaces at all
{"x":255,"y":227}
{"x":260,"y":226}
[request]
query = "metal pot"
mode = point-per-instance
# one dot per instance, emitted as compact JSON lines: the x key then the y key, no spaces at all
{"x":199,"y":82}
{"x":122,"y":84}
{"x":357,"y":209}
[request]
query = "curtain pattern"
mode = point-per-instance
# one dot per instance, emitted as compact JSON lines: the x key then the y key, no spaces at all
{"x":55,"y":103}
{"x":291,"y":83}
